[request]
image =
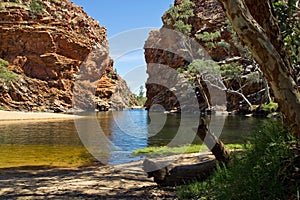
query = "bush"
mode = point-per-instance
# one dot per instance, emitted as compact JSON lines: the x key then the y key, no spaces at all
{"x":180,"y":70}
{"x":109,"y":75}
{"x":270,"y":107}
{"x":224,"y":44}
{"x":208,"y":37}
{"x":3,"y":63}
{"x":266,"y":170}
{"x":6,"y":75}
{"x":178,"y":15}
{"x":36,"y":6}
{"x":231,"y":70}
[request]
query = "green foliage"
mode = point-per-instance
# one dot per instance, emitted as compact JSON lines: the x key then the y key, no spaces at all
{"x":211,"y":39}
{"x":109,"y":75}
{"x":37,"y":6}
{"x":140,"y":98}
{"x":224,"y":44}
{"x":254,"y":77}
{"x":208,"y":37}
{"x":5,"y":74}
{"x":3,"y":63}
{"x":270,"y":107}
{"x":180,"y":70}
{"x":182,"y":27}
{"x":202,"y":66}
{"x":179,"y":14}
{"x":165,"y":150}
{"x":288,"y":16}
{"x":265,"y":170}
{"x":231,"y":70}
{"x":2,"y":108}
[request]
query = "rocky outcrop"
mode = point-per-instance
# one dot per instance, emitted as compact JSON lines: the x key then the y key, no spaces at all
{"x":208,"y":18}
{"x":46,"y":44}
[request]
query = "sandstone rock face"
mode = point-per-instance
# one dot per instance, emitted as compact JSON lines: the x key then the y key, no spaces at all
{"x":208,"y":17}
{"x":47,"y":50}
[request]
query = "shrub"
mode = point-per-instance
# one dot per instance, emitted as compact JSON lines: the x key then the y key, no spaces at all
{"x":5,"y":74}
{"x":231,"y":70}
{"x":202,"y":66}
{"x":270,"y":107}
{"x":266,"y":170}
{"x":2,"y":108}
{"x":224,"y":44}
{"x":180,"y":70}
{"x":208,"y":37}
{"x":109,"y":75}
{"x":3,"y":63}
{"x":178,"y":15}
{"x":36,"y":6}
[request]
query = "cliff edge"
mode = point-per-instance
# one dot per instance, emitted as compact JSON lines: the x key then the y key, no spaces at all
{"x":46,"y":44}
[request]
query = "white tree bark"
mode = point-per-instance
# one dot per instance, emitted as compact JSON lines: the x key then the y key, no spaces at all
{"x":274,"y":63}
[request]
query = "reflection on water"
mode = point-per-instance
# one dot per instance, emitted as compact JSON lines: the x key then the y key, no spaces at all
{"x":125,"y":131}
{"x":230,"y":129}
{"x":40,"y":132}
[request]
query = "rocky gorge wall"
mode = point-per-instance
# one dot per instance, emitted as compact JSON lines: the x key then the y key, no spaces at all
{"x":208,"y":18}
{"x":47,"y":44}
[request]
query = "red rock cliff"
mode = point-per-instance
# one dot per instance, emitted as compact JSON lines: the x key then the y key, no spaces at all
{"x":46,"y":44}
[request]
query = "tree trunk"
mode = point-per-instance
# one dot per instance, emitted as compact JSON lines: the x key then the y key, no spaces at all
{"x":262,"y":37}
{"x":202,"y":91}
{"x":213,"y":143}
{"x":176,"y":174}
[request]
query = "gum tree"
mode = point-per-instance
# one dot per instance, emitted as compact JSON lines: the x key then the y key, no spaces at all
{"x":258,"y":29}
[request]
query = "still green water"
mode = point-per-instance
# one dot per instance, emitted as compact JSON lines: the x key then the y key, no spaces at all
{"x":57,"y":143}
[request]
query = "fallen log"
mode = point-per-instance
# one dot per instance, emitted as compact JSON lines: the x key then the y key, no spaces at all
{"x":170,"y":175}
{"x":173,"y":175}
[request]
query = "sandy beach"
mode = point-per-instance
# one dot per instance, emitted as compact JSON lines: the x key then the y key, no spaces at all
{"x":96,"y":182}
{"x":6,"y":116}
{"x":127,"y":181}
{"x":123,"y":181}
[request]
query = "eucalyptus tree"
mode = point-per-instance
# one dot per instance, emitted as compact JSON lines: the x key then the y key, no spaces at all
{"x":257,"y":27}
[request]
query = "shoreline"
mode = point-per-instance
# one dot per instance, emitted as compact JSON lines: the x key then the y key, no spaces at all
{"x":19,"y":116}
{"x":122,"y":181}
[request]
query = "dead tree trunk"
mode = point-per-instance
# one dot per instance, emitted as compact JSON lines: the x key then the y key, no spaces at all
{"x":175,"y":175}
{"x":213,"y":143}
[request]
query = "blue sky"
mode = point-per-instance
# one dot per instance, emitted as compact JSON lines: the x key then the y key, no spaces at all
{"x":128,"y":24}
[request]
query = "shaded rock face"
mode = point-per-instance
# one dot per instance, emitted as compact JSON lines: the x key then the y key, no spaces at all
{"x":208,"y":17}
{"x":47,"y":50}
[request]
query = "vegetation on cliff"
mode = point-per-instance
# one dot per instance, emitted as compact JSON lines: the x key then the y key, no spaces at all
{"x":5,"y":74}
{"x":240,"y":78}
